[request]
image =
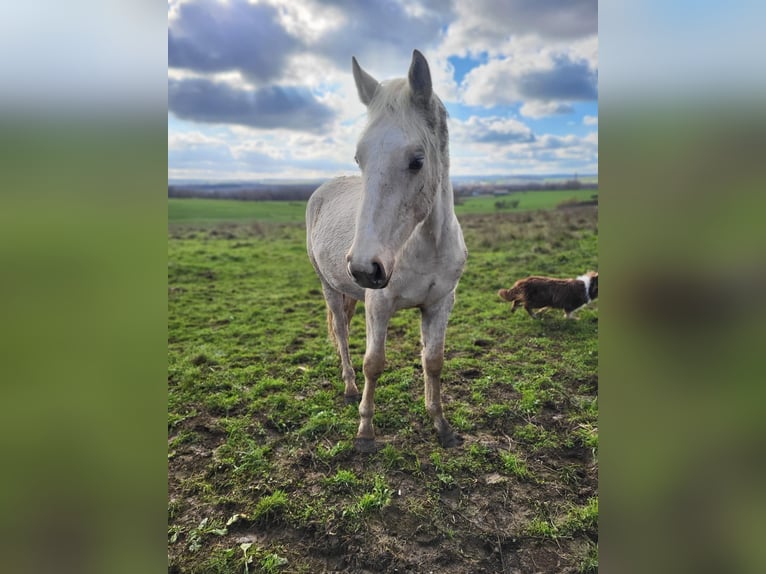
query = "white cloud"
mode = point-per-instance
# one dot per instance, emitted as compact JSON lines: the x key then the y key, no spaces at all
{"x":529,"y":74}
{"x":490,"y":130}
{"x":485,"y":25}
{"x":536,"y":109}
{"x":181,"y":140}
{"x":293,"y":111}
{"x":497,"y":145}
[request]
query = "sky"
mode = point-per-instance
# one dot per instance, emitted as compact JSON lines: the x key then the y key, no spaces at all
{"x":264,"y":89}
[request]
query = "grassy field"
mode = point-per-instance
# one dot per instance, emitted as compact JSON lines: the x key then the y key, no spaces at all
{"x":262,"y":474}
{"x":214,"y":211}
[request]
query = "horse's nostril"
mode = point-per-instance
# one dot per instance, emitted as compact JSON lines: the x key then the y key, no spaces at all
{"x":378,"y":274}
{"x":372,"y":277}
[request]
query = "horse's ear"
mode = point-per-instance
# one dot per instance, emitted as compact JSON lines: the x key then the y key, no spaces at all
{"x":420,"y":78}
{"x":366,"y":85}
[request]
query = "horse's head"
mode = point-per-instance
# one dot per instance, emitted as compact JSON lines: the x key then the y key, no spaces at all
{"x":403,"y":157}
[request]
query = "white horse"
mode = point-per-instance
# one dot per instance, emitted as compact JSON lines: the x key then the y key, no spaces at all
{"x":390,"y":238}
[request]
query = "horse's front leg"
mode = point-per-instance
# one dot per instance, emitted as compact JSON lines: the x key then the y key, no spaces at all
{"x":377,"y":315}
{"x":433,"y":329}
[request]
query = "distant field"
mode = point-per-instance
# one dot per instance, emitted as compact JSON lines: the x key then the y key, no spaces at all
{"x":528,"y":200}
{"x":212,"y":211}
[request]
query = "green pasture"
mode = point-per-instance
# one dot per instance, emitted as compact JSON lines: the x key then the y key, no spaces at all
{"x":262,"y":473}
{"x":209,"y":211}
{"x":527,"y":200}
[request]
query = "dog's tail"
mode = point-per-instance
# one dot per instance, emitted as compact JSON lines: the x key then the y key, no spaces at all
{"x":512,"y":294}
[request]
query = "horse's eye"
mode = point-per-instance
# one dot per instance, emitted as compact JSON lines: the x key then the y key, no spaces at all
{"x":416,"y":163}
{"x":356,"y":159}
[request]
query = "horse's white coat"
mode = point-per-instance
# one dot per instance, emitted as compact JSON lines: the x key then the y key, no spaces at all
{"x":394,"y":229}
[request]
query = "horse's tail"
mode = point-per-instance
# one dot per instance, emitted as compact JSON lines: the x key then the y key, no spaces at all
{"x":330,"y":330}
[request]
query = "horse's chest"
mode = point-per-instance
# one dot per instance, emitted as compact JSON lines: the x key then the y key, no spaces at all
{"x":425,"y":288}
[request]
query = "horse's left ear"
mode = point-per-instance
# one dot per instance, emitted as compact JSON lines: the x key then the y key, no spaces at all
{"x":420,"y":78}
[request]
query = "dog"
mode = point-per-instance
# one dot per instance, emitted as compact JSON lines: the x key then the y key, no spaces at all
{"x":538,"y":292}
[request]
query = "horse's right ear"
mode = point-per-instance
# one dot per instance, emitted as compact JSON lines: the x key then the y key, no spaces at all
{"x":366,"y":85}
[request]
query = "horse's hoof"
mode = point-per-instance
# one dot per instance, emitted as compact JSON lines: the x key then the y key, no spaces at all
{"x":366,"y":445}
{"x":450,"y":440}
{"x":352,"y":399}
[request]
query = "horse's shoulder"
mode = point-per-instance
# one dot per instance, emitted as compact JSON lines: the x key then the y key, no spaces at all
{"x":338,"y":185}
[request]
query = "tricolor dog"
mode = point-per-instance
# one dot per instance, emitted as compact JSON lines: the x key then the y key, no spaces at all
{"x":539,"y":292}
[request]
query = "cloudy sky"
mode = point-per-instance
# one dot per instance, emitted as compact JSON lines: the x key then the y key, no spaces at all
{"x":263,"y":89}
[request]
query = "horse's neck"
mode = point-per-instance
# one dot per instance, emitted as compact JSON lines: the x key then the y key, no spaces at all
{"x":442,"y":213}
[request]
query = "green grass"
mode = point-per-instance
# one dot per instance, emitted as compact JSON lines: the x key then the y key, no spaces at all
{"x":258,"y":429}
{"x":270,"y":507}
{"x":212,"y":211}
{"x":514,"y":465}
{"x":527,"y":200}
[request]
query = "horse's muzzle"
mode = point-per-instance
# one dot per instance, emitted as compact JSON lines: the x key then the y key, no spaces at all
{"x":372,"y":277}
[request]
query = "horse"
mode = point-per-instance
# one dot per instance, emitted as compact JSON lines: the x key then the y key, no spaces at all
{"x":390,"y":237}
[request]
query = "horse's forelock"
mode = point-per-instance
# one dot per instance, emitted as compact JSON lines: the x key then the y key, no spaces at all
{"x":394,"y":99}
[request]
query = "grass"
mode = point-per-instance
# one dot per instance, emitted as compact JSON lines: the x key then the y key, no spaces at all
{"x":514,"y":465}
{"x":527,"y":200}
{"x":213,"y":211}
{"x":209,"y":212}
{"x":258,"y":429}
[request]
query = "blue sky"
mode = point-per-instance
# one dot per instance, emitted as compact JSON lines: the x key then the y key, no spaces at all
{"x":263,"y":90}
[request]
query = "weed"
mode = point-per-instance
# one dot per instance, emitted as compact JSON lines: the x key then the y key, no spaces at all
{"x":446,"y":480}
{"x":204,"y":528}
{"x":514,"y":465}
{"x":342,"y":481}
{"x":324,"y":423}
{"x":174,"y":419}
{"x":247,"y":558}
{"x":378,"y":498}
{"x":338,"y":450}
{"x":392,"y":458}
{"x":536,"y":437}
{"x":581,"y":518}
{"x":270,"y":507}
{"x":541,"y":528}
{"x":570,"y":475}
{"x":461,"y":417}
{"x":588,"y":435}
{"x":253,"y":460}
{"x":578,"y":519}
{"x":271,"y":563}
{"x":589,"y":564}
{"x":497,"y":410}
{"x":220,"y":561}
{"x":173,"y":533}
{"x":184,"y":437}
